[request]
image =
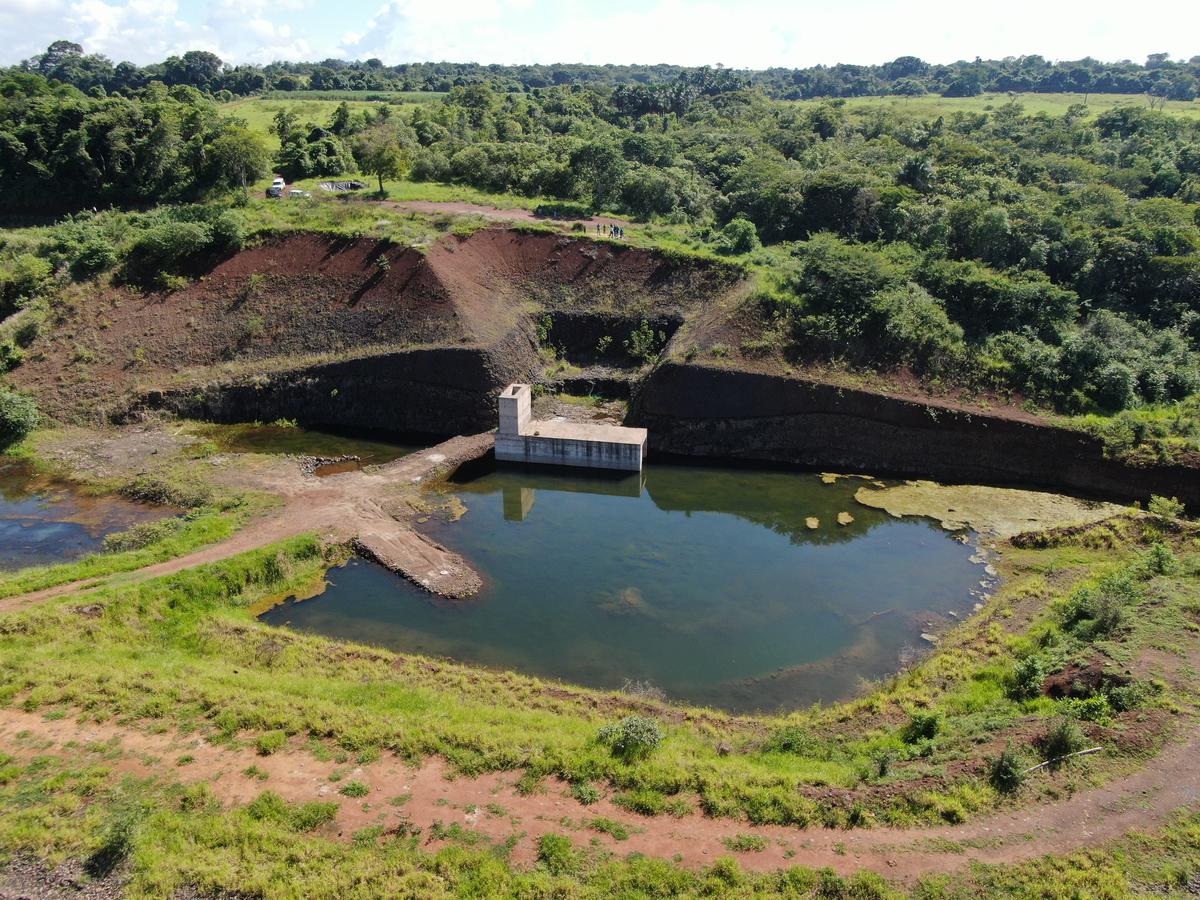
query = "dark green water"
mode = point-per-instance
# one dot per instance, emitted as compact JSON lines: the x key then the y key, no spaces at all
{"x":704,"y":582}
{"x":47,"y":521}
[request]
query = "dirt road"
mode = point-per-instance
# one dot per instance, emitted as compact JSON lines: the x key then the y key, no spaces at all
{"x":367,"y":507}
{"x":492,"y":806}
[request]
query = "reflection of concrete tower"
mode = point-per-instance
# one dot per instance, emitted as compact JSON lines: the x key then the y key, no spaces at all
{"x":518,"y":501}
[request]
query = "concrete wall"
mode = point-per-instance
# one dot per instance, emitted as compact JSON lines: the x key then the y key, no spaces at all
{"x":699,"y":411}
{"x":591,"y":454}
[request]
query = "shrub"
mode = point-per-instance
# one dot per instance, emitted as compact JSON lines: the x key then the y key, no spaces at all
{"x":1168,"y":507}
{"x":644,"y":801}
{"x":738,"y":237}
{"x":745,"y":843}
{"x":634,"y":737}
{"x":1089,"y":709}
{"x":1129,"y":696}
{"x":18,"y":417}
{"x":270,"y":742}
{"x":1006,"y":772}
{"x":644,"y":343}
{"x":354,"y":789}
{"x":139,"y":536}
{"x":1062,"y":739}
{"x":557,"y":855}
{"x":585,"y":793}
{"x":1159,"y":560}
{"x":921,"y":727}
{"x":1025,"y":680}
{"x":95,"y":255}
{"x":1094,"y":612}
{"x":791,"y":739}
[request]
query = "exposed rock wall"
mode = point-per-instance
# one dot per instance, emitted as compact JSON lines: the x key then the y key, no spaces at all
{"x":699,"y":411}
{"x":434,"y":391}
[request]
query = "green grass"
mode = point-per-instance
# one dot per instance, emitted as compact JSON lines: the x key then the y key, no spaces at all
{"x":185,"y":651}
{"x":931,"y":106}
{"x":200,"y":528}
{"x":318,"y":108}
{"x":173,"y":837}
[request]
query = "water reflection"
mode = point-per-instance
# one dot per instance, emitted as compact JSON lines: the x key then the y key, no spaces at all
{"x":43,"y":520}
{"x":706,"y":582}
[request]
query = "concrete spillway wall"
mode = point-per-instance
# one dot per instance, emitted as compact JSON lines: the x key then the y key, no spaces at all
{"x":559,"y":443}
{"x":694,"y":410}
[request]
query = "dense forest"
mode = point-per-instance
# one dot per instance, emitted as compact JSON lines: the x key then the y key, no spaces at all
{"x":1054,"y":256}
{"x":67,"y":63}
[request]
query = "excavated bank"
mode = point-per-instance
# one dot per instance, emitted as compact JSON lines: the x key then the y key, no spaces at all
{"x":362,"y":333}
{"x":695,"y":410}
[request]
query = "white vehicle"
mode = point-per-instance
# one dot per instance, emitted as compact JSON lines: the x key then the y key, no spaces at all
{"x":278,"y":182}
{"x":298,"y":193}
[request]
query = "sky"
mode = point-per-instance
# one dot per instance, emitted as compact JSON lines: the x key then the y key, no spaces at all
{"x":747,"y":34}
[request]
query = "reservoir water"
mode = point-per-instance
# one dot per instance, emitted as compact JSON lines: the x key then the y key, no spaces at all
{"x":43,"y":520}
{"x":733,"y":588}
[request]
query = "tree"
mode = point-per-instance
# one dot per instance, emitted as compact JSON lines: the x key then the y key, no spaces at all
{"x":379,"y":153}
{"x":56,"y":54}
{"x":239,"y":157}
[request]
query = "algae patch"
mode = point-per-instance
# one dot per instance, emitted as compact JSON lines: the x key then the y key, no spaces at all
{"x":988,"y":510}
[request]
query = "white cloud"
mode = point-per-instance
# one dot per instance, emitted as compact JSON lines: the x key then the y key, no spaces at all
{"x":750,"y":33}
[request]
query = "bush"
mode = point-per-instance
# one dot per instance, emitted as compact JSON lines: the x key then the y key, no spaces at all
{"x":270,"y":742}
{"x":1168,"y":507}
{"x":791,"y":739}
{"x":644,"y":343}
{"x":1062,"y":739}
{"x":1089,"y":709}
{"x":354,"y":789}
{"x":921,"y":727}
{"x":1129,"y":696}
{"x":1006,"y":772}
{"x":1159,"y":560}
{"x":634,"y":737}
{"x":556,"y":853}
{"x":18,"y":417}
{"x":585,"y":793}
{"x":1095,"y":612}
{"x":140,"y":536}
{"x":738,"y":237}
{"x":1025,"y":680}
{"x":95,"y":255}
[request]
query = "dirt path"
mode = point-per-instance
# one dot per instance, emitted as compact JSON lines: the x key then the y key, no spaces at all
{"x":495,"y":213}
{"x":422,"y":796}
{"x":366,"y":506}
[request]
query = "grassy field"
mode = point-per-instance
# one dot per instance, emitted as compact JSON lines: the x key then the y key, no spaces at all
{"x":259,"y":112}
{"x":932,"y":105}
{"x":185,"y":652}
{"x":391,"y":96}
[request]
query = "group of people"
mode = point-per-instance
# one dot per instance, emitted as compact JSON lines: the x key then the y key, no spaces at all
{"x":611,"y":230}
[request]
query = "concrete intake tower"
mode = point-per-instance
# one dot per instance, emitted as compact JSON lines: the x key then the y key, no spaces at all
{"x":561,"y":443}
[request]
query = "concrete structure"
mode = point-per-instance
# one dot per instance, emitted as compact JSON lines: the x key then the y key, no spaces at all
{"x":562,"y":443}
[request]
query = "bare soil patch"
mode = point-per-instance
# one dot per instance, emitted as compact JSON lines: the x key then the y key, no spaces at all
{"x":402,"y":795}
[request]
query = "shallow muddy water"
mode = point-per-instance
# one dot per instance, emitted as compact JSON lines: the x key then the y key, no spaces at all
{"x":43,"y":520}
{"x":290,"y":439}
{"x":706,"y":583}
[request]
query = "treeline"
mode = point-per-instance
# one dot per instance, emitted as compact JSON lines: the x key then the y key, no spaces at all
{"x":1159,"y":76}
{"x":61,"y":150}
{"x":1058,"y":256}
